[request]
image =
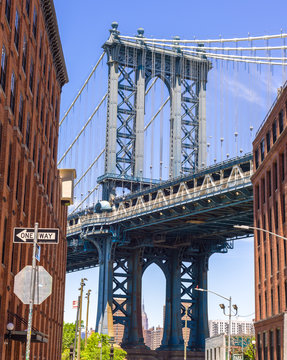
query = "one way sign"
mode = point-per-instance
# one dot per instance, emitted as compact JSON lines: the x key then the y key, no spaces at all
{"x":45,"y":236}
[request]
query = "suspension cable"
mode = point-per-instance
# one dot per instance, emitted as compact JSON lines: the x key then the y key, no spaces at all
{"x":89,"y":194}
{"x":89,"y":168}
{"x":83,"y":128}
{"x":82,"y":88}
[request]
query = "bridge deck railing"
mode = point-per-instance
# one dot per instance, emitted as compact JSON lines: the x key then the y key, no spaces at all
{"x":183,"y":195}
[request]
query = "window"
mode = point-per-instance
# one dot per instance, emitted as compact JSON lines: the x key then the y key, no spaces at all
{"x":263,"y":190}
{"x":4,"y":240}
{"x":271,"y":265}
{"x":259,"y":268}
{"x":17,"y":27}
{"x":281,"y":121}
{"x":283,"y":208}
{"x":28,"y":130}
{"x":269,"y":182}
{"x":265,"y":303}
{"x":46,"y":124}
{"x":284,"y":245}
{"x":18,"y":180}
{"x":56,"y":109}
{"x":256,"y":159}
{"x":278,"y":255}
{"x":274,"y":131}
{"x":34,"y":148}
{"x":257,"y":196}
{"x":275,"y":176}
{"x":259,"y":347}
{"x":265,"y":346}
{"x":282,"y":167}
{"x":12,"y":93}
{"x":9,"y":165}
{"x":20,"y":117}
{"x":276,"y":215}
{"x":28,"y":7}
{"x":37,"y":95}
{"x":3,"y":68}
{"x":35,"y":22}
{"x":262,"y":146}
{"x":24,"y":56}
{"x":258,"y":233}
{"x":45,"y":64}
{"x":42,"y":111}
{"x":31,"y":75}
{"x":39,"y":158}
{"x":264,"y":227}
{"x":270,"y":220}
{"x":260,"y":305}
{"x":49,"y":75}
{"x":41,"y":46}
{"x":25,"y":193}
{"x":268,"y":141}
{"x":271,"y":346}
{"x":8,"y":10}
{"x":278,"y":344}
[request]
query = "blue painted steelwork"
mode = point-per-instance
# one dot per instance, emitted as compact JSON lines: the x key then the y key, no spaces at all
{"x":178,"y":225}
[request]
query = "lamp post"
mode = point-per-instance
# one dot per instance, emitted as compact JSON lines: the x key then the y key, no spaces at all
{"x":247,"y":227}
{"x":80,"y":317}
{"x":222,"y":306}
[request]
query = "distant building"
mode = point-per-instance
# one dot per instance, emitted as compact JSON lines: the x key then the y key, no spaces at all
{"x":153,"y":337}
{"x":269,"y":190}
{"x":217,"y":327}
{"x":216,"y":347}
{"x":144,"y":319}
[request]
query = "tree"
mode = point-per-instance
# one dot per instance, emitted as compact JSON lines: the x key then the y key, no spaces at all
{"x":68,"y":339}
{"x":93,"y":349}
{"x":250,"y":351}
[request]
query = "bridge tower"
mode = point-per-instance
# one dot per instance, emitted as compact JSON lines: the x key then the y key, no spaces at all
{"x":132,"y":65}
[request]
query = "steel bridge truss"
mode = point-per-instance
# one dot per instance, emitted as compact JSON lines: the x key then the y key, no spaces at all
{"x":132,"y":65}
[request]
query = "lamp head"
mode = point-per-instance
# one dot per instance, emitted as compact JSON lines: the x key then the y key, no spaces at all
{"x":235,"y":307}
{"x":222,"y":306}
{"x":10,"y":327}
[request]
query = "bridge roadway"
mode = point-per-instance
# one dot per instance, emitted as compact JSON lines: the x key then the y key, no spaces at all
{"x":177,"y":225}
{"x":203,"y":206}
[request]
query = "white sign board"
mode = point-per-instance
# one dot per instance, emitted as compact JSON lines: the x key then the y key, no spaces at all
{"x":43,"y":285}
{"x":45,"y":236}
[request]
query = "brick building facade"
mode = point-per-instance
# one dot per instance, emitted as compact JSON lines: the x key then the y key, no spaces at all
{"x":32,"y":73}
{"x":269,"y":185}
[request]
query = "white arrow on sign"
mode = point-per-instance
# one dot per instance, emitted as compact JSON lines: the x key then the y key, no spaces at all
{"x":25,"y":235}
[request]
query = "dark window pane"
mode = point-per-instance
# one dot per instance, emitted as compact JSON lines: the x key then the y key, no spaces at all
{"x":8,"y":10}
{"x":17,"y":27}
{"x":12,"y":93}
{"x":3,"y":68}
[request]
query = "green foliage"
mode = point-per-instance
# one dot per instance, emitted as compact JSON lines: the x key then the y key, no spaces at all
{"x":250,"y":351}
{"x":68,"y":336}
{"x":93,"y":349}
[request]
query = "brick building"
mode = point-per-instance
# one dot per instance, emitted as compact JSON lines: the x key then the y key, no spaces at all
{"x":32,"y":73}
{"x":270,"y":184}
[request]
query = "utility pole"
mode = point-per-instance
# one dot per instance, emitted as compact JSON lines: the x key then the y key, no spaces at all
{"x":87,"y":316}
{"x":80,"y":317}
{"x":76,"y":330}
{"x":32,"y":293}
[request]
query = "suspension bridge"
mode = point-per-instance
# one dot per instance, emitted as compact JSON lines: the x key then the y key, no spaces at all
{"x":164,"y":171}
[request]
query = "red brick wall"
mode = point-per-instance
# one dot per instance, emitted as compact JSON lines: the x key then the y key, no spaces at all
{"x":33,"y":190}
{"x":270,"y":199}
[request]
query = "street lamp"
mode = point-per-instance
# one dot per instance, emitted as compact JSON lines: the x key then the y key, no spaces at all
{"x":222,"y":306}
{"x":247,"y":227}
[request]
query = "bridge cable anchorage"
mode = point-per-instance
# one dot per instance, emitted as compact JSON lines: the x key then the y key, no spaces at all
{"x":89,"y":168}
{"x":89,"y":194}
{"x":83,"y":128}
{"x":196,"y":41}
{"x":82,"y":88}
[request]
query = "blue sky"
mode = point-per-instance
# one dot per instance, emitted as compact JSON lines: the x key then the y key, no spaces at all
{"x":84,"y":28}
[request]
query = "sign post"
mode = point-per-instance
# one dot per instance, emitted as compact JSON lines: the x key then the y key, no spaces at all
{"x":32,"y":293}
